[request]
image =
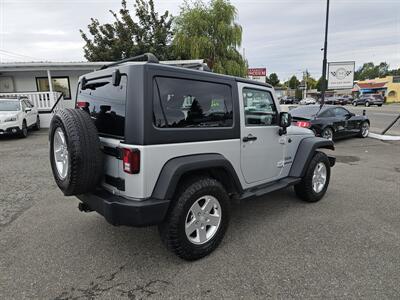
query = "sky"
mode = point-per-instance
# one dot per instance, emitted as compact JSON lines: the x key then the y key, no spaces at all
{"x":285,"y":36}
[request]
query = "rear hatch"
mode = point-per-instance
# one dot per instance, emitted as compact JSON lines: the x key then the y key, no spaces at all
{"x":105,"y":103}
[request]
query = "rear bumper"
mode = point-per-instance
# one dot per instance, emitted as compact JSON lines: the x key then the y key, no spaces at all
{"x":121,"y":211}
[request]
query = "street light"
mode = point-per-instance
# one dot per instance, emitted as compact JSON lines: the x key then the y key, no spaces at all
{"x":324,"y":62}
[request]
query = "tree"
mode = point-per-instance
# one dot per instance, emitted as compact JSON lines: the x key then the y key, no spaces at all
{"x":209,"y":31}
{"x":125,"y":37}
{"x":273,"y":79}
{"x":293,"y":82}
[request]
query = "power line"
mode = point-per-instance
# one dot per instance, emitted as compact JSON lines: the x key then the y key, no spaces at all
{"x":17,"y":55}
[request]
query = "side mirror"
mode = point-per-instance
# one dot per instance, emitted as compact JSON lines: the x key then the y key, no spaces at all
{"x":285,"y":120}
{"x":28,"y":109}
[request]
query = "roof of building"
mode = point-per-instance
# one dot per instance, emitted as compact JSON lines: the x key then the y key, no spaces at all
{"x":371,"y":85}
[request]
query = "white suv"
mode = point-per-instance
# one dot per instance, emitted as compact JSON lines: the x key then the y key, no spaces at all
{"x":17,"y":115}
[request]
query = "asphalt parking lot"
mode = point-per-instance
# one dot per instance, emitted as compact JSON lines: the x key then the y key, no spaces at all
{"x":346,"y":246}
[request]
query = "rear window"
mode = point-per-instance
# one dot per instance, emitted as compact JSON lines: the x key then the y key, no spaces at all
{"x":183,"y":103}
{"x":306,"y":111}
{"x":106,"y":105}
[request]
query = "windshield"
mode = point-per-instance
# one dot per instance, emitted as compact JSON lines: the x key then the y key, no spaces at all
{"x":305,"y":111}
{"x":9,"y":105}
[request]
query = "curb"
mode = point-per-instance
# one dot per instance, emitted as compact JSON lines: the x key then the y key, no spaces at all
{"x":384,"y":137}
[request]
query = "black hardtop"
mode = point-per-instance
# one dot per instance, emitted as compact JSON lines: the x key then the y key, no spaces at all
{"x":127,"y":67}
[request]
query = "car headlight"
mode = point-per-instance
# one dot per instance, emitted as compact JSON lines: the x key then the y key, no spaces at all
{"x":11,"y":119}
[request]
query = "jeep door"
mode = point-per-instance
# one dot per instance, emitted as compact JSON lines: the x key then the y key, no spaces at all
{"x":262,"y":149}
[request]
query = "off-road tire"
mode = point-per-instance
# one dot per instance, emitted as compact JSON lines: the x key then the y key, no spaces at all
{"x":85,"y":158}
{"x":37,"y":125}
{"x":304,"y":189}
{"x":24,"y":130}
{"x":172,"y":230}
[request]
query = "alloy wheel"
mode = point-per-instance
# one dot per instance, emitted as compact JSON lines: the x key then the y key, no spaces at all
{"x":60,"y":153}
{"x":365,"y":129}
{"x":203,"y":220}
{"x":319,"y":177}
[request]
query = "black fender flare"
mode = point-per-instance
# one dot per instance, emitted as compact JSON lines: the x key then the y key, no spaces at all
{"x":305,"y":153}
{"x":175,"y":168}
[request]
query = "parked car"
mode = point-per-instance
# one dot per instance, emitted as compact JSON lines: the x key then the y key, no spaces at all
{"x":139,"y":162}
{"x":289,"y":100}
{"x":348,"y":98}
{"x":308,"y":101}
{"x":336,"y":100}
{"x":369,"y":100}
{"x":17,"y":115}
{"x":331,"y":122}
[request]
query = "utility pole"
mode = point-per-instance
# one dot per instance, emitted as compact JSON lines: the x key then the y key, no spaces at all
{"x":324,"y":62}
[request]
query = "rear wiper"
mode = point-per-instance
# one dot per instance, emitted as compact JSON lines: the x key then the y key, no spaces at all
{"x":95,"y":85}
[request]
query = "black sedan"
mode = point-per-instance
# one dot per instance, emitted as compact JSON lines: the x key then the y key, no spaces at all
{"x":330,"y":122}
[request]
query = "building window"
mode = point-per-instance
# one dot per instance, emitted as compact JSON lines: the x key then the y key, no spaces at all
{"x":392,"y":94}
{"x":60,"y":84}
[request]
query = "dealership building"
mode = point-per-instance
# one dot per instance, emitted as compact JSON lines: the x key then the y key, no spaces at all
{"x":388,"y":86}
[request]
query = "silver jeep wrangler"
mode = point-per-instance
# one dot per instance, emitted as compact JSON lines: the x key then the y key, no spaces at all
{"x":151,"y":144}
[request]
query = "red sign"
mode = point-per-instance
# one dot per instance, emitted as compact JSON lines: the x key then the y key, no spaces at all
{"x":257,"y":72}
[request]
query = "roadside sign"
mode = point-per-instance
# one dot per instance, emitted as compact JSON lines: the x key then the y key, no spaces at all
{"x":258,"y":74}
{"x":341,"y":75}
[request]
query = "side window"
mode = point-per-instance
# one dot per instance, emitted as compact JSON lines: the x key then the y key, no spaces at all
{"x":259,"y":108}
{"x":340,"y":112}
{"x":327,"y":114}
{"x":183,"y":103}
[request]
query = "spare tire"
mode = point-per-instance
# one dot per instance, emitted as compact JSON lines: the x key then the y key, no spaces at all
{"x":75,"y":152}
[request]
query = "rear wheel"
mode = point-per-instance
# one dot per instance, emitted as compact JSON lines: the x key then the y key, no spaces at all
{"x":314,"y":184}
{"x":367,"y":104}
{"x":198,"y":219}
{"x":354,"y":103}
{"x":364,"y":130}
{"x":37,"y":125}
{"x":327,"y":133}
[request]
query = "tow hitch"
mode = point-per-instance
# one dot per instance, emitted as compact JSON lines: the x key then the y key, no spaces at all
{"x":84,"y":207}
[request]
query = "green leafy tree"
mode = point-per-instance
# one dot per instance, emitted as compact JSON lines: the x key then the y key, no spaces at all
{"x":293,"y":82}
{"x":273,"y":79}
{"x":209,"y":31}
{"x":129,"y":36}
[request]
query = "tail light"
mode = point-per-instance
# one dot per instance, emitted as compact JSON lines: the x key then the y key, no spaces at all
{"x":304,"y":124}
{"x":82,"y":104}
{"x":131,"y":161}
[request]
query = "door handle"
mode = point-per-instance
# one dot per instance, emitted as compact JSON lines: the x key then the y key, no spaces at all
{"x":249,"y":138}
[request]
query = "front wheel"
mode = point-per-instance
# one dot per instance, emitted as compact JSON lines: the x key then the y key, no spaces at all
{"x":315,"y":182}
{"x":198,"y":219}
{"x":364,"y":130}
{"x":354,"y":103}
{"x":367,"y":104}
{"x":24,"y":130}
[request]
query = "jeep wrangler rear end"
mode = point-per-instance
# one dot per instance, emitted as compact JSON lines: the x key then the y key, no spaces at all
{"x":155,"y":144}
